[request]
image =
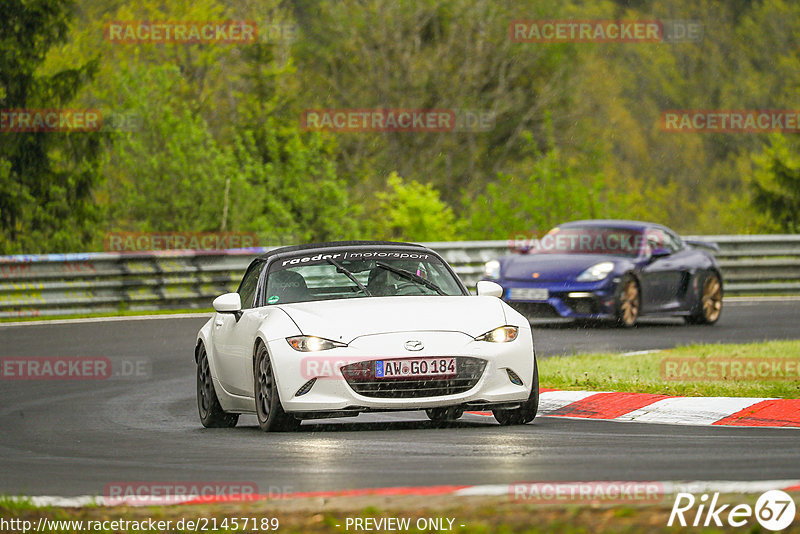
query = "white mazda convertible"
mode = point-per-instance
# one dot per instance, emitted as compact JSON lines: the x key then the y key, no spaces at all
{"x":338,"y":329}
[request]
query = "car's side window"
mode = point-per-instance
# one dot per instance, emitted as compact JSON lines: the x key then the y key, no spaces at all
{"x":673,"y":242}
{"x":247,"y":289}
{"x":660,"y":238}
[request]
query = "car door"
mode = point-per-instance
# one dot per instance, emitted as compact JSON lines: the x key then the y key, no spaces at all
{"x":676,"y":271}
{"x":234,"y":339}
{"x":663,"y":277}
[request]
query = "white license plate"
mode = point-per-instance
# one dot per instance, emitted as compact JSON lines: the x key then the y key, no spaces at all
{"x":528,"y":293}
{"x":424,"y":367}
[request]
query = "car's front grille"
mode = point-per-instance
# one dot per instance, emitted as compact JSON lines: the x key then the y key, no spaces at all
{"x":582,"y":306}
{"x":534,"y":309}
{"x":361,"y":377}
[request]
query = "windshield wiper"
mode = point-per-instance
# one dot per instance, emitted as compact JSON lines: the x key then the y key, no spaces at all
{"x":348,"y":274}
{"x":408,"y":275}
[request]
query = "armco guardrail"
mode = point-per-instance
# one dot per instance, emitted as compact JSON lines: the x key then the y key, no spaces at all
{"x":65,"y":284}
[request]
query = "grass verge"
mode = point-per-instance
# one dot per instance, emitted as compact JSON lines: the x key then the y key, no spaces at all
{"x":119,"y":313}
{"x":729,"y":370}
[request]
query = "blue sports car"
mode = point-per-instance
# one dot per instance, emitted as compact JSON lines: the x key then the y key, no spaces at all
{"x":612,"y":270}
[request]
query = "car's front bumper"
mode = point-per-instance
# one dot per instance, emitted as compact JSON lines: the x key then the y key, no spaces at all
{"x":332,"y":393}
{"x":575,"y":300}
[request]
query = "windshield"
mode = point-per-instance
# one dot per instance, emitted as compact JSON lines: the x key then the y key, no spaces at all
{"x":591,"y":240}
{"x":358,"y":274}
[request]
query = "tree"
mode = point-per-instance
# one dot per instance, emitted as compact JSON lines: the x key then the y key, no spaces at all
{"x":776,"y":183}
{"x":556,"y":189}
{"x":411,"y":211}
{"x":172,"y":174}
{"x":46,"y":178}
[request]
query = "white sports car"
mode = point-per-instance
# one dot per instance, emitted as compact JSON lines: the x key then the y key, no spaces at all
{"x":338,"y":329}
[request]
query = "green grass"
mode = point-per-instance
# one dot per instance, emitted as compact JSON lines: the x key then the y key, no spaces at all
{"x":16,"y":504}
{"x":643,"y":373}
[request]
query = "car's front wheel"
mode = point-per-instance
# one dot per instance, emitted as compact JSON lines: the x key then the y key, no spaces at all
{"x":628,"y":302}
{"x":525,"y":413}
{"x":211,"y":413}
{"x":270,"y":413}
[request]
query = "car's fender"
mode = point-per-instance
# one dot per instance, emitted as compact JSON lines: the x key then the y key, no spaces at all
{"x":275,"y":328}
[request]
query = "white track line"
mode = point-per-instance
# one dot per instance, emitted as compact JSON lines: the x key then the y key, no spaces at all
{"x":689,"y":410}
{"x":550,"y":401}
{"x":492,"y":490}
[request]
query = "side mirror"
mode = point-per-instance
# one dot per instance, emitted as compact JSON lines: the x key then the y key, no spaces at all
{"x":489,"y":289}
{"x":228,"y":303}
{"x":659,"y":253}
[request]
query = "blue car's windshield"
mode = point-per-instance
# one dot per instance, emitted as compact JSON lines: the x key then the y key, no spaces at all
{"x":591,"y":240}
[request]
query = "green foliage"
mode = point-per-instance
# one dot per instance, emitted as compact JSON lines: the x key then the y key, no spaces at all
{"x":171,"y":174}
{"x":46,"y":178}
{"x":303,"y":197}
{"x":575,"y":134}
{"x":411,"y":211}
{"x":554,"y":190}
{"x":776,"y":183}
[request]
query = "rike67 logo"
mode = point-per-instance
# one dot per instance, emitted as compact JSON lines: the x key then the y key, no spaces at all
{"x":774,"y":510}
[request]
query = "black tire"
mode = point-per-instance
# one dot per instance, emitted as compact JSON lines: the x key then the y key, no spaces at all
{"x":211,"y":413}
{"x":525,"y":413}
{"x":442,"y":416}
{"x":627,"y":302}
{"x":271,"y":417}
{"x":709,"y":303}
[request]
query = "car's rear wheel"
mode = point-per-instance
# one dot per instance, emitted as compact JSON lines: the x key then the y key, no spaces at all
{"x":270,"y":413}
{"x":211,"y":413}
{"x":525,"y":413}
{"x":628,"y":301}
{"x":444,"y":415}
{"x":709,"y":306}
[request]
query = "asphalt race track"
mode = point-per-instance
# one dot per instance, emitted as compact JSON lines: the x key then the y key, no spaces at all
{"x":74,"y":437}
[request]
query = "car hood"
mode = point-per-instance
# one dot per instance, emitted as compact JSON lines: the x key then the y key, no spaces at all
{"x":347,"y":319}
{"x":551,"y":267}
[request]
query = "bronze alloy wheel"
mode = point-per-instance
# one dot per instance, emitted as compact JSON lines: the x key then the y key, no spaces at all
{"x":628,"y":302}
{"x":712,"y":299}
{"x":708,"y":306}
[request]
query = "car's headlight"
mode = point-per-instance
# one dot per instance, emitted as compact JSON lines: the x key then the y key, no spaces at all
{"x":502,"y":334}
{"x":492,"y":269}
{"x":312,"y":344}
{"x":596,"y":272}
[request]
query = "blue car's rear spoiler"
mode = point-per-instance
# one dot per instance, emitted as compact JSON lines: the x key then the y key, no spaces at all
{"x":704,"y":244}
